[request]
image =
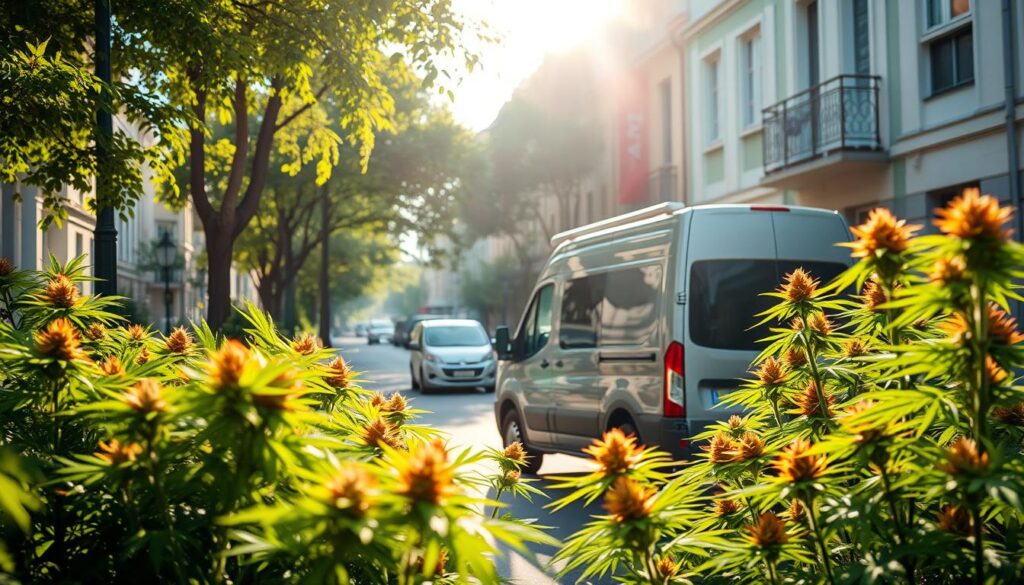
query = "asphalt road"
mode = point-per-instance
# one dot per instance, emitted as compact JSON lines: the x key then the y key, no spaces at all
{"x":467,"y":416}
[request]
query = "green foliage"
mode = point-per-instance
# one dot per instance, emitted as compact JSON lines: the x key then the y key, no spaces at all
{"x":881,"y":439}
{"x":130,"y":456}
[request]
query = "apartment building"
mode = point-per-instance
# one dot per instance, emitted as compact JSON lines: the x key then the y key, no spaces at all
{"x":851,"y":104}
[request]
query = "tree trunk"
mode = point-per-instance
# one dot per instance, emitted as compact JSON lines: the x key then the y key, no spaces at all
{"x":288,"y":282}
{"x":325,"y":297}
{"x":219,"y":246}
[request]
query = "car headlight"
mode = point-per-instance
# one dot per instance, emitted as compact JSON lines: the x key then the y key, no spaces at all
{"x":430,"y":357}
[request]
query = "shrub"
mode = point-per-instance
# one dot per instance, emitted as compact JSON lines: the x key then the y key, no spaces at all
{"x":127,"y":456}
{"x":881,"y":434}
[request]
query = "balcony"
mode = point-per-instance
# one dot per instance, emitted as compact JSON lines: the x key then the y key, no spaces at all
{"x":661,"y":185}
{"x":831,"y":127}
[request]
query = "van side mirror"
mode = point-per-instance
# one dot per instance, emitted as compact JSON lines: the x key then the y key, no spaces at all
{"x":502,"y":344}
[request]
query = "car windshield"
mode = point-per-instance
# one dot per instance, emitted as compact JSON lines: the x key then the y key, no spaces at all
{"x":455,"y":336}
{"x":380,"y":324}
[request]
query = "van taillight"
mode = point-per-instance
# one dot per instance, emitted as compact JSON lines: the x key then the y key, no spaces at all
{"x":768,"y":208}
{"x":674,"y":403}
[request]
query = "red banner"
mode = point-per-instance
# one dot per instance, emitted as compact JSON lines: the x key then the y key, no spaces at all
{"x":633,"y":169}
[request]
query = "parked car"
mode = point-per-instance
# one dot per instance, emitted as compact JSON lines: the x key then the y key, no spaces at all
{"x":379,"y":330}
{"x":404,"y":332}
{"x":360,"y":329}
{"x":451,"y":353}
{"x":643,"y":322}
{"x":396,"y":339}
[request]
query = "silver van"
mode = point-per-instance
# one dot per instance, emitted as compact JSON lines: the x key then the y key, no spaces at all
{"x":643,"y":321}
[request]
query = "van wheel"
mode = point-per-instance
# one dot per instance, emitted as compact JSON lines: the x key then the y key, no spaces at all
{"x":628,"y":428}
{"x":512,"y":431}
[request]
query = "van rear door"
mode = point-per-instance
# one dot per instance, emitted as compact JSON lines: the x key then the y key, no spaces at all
{"x":733,"y":255}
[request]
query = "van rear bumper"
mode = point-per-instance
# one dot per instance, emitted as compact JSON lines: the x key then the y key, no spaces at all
{"x":668,"y":434}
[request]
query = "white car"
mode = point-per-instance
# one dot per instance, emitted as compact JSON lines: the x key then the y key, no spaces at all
{"x":451,"y":353}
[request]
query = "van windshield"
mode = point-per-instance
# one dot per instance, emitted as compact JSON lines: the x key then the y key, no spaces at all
{"x":726,"y":295}
{"x":455,"y":336}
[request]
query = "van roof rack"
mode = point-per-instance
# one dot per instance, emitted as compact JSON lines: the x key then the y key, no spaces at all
{"x":660,"y":209}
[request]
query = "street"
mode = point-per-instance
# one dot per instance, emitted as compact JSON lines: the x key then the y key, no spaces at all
{"x":467,"y":416}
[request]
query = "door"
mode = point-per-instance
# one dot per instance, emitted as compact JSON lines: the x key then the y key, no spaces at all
{"x":531,"y":370}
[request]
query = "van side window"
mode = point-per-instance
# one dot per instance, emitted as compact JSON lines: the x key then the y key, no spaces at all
{"x":618,"y":307}
{"x":580,"y":312}
{"x":536,"y":331}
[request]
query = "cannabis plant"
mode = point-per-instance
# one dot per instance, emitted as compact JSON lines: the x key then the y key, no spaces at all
{"x":130,"y":456}
{"x":881,"y":434}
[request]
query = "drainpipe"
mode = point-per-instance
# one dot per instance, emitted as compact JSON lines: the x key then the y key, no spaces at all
{"x":1009,"y":72}
{"x":684,"y":177}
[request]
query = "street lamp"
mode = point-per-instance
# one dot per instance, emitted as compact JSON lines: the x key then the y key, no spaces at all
{"x":166,"y":254}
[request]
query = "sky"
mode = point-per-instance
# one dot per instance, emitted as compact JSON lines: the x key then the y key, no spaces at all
{"x":528,"y":29}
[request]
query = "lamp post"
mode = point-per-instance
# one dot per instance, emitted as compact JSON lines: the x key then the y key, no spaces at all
{"x":166,"y":254}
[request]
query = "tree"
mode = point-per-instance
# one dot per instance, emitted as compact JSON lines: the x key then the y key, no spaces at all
{"x":282,"y":76}
{"x":477,"y":289}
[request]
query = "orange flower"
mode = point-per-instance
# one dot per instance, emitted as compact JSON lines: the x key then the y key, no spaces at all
{"x":137,"y":332}
{"x":115,"y":453}
{"x":865,"y":433}
{"x":882,"y":232}
{"x":955,"y":520}
{"x":306,"y":344}
{"x":339,"y":374}
{"x":61,"y":292}
{"x":720,"y":449}
{"x":796,"y":324}
{"x":975,"y":216}
{"x":819,"y":323}
{"x":1012,"y":415}
{"x":873,"y":296}
{"x":96,"y":332}
{"x":615,"y":452}
{"x":143,"y":357}
{"x":377,"y":400}
{"x":426,"y":476}
{"x":796,"y":511}
{"x":1002,"y":328}
{"x":179,"y":341}
{"x":59,"y":340}
{"x":396,"y":404}
{"x":146,"y":396}
{"x":379,"y":432}
{"x":796,"y":465}
{"x":6,"y":266}
{"x":667,"y":568}
{"x":809,"y":402}
{"x":726,"y":506}
{"x":854,"y":348}
{"x":948,"y":271}
{"x":956,"y":328}
{"x":515,"y":452}
{"x":768,"y":532}
{"x":228,"y":363}
{"x":735,"y":422}
{"x":628,"y":500}
{"x":795,"y":357}
{"x":994,"y":372}
{"x":798,"y":286}
{"x":771,"y":373}
{"x":963,"y":458}
{"x":352,"y":488}
{"x":112,"y":366}
{"x":750,"y":446}
{"x":511,"y":477}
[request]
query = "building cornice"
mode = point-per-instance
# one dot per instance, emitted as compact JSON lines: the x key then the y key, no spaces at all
{"x":687,"y":30}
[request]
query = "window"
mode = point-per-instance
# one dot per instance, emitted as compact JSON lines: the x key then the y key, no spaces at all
{"x":952,"y":60}
{"x":942,"y":12}
{"x":725,"y":296}
{"x":611,"y":309}
{"x":665,"y":88}
{"x":580,"y":302}
{"x":712,"y":78}
{"x":535,"y":331}
{"x":861,"y":38}
{"x":750,"y":78}
{"x":455,"y":336}
{"x":79,"y":245}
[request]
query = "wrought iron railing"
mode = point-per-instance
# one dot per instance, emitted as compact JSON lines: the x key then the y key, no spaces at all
{"x":838,"y":114}
{"x":661,"y":184}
